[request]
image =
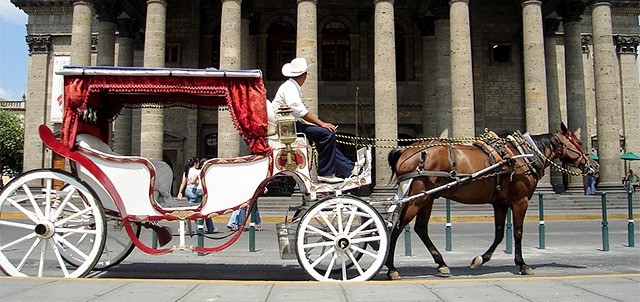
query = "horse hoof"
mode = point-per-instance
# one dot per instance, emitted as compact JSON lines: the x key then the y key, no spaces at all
{"x":526,"y":270}
{"x":393,"y":275}
{"x":444,"y":272}
{"x":476,"y":262}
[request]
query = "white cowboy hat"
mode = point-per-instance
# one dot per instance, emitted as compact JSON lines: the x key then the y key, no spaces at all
{"x":297,"y":67}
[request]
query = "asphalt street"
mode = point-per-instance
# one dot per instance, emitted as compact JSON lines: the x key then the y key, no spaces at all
{"x":572,"y":267}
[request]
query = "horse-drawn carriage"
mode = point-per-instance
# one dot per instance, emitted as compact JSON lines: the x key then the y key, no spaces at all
{"x":56,"y":222}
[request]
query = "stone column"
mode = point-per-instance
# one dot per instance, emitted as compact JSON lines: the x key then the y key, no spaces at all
{"x":608,"y":107}
{"x":107,"y":13}
{"x":248,"y":60}
{"x":627,"y":47}
{"x":81,"y":33}
{"x":36,"y":104}
{"x":571,"y":12}
{"x":152,"y":119}
{"x":535,"y":80}
{"x":385,"y":89}
{"x":230,"y":54}
{"x":551,"y":65}
{"x":427,"y":30}
{"x":462,"y":115}
{"x":307,"y":47}
{"x":553,"y":93}
{"x":443,"y":72}
{"x":127,"y":33}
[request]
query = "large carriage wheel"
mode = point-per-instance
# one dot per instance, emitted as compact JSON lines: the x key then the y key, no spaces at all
{"x":39,"y":224}
{"x":342,"y":238}
{"x":117,"y":246}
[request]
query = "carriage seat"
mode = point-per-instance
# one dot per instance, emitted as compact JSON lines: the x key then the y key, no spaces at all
{"x":164,"y":173}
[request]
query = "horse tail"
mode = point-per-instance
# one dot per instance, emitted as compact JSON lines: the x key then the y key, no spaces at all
{"x":393,"y":157}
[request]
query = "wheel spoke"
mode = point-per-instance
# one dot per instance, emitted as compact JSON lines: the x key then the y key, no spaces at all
{"x":330,"y":266}
{"x":355,"y":262}
{"x":28,"y":253}
{"x":30,"y":214}
{"x":63,"y":204}
{"x":19,"y":240}
{"x":71,"y":246}
{"x":325,"y":254}
{"x":360,"y":228}
{"x":47,"y":199}
{"x":34,"y":204}
{"x":366,"y":239}
{"x":352,"y":216}
{"x":43,"y":254}
{"x":317,"y":244}
{"x":63,"y":221}
{"x":327,"y":222}
{"x":321,"y":232}
{"x":61,"y":262}
{"x":16,"y":224}
{"x":344,"y":267}
{"x":363,"y":251}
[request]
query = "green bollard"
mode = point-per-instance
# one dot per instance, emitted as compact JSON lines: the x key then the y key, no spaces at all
{"x":407,"y":240}
{"x":200,"y":233}
{"x":447,"y":231}
{"x":252,"y":232}
{"x":509,"y":233}
{"x":154,"y":240}
{"x":605,"y":224}
{"x":541,"y":225}
{"x":630,"y":226}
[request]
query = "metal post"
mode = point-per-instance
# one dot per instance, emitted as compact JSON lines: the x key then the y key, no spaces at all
{"x":252,"y":233}
{"x":630,"y":226}
{"x":200,"y":233}
{"x":447,"y":231}
{"x":509,"y":233}
{"x":605,"y":224}
{"x":541,"y":225}
{"x":407,"y":240}
{"x":154,"y":240}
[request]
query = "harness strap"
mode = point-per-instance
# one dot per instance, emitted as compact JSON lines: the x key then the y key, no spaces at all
{"x":493,"y":158}
{"x":421,"y":173}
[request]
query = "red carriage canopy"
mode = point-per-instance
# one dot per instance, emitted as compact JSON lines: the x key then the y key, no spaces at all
{"x":94,"y":96}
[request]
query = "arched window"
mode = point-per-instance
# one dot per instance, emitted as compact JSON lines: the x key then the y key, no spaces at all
{"x":401,"y":62}
{"x":336,"y":52}
{"x":281,"y":48}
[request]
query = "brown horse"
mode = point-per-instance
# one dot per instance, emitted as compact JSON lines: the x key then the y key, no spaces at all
{"x":509,"y":185}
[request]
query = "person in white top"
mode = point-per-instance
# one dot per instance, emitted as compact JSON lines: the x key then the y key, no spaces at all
{"x":333,"y":166}
{"x":193,"y":191}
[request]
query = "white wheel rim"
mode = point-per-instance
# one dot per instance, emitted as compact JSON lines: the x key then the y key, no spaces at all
{"x":331,"y":236}
{"x":39,"y":226}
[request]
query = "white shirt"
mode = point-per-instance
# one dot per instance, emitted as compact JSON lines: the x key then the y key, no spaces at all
{"x":290,"y":93}
{"x":193,"y":172}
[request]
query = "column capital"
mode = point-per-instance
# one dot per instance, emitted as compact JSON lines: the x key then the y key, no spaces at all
{"x":572,"y":10}
{"x":164,"y":2}
{"x":376,"y":1}
{"x":454,"y":1}
{"x":626,"y":44}
{"x":586,"y":40}
{"x":107,"y":10}
{"x":440,"y":11}
{"x":314,"y":1}
{"x":527,"y":2}
{"x":39,"y":43}
{"x":128,"y":27}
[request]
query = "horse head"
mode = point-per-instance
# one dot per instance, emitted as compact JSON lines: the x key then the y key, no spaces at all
{"x":571,"y":152}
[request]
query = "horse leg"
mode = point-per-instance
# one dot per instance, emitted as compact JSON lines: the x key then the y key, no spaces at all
{"x":519,"y":211}
{"x":408,"y":212}
{"x":499,"y":216}
{"x":421,"y":227}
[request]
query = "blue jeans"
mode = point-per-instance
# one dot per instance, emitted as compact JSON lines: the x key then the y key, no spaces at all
{"x":330,"y":160}
{"x":237,"y":217}
{"x":195,"y":196}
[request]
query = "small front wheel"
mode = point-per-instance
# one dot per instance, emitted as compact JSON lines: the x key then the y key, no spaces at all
{"x":342,"y":238}
{"x":40,"y":225}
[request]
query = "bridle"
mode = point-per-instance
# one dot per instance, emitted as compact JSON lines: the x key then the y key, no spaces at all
{"x":584,"y":160}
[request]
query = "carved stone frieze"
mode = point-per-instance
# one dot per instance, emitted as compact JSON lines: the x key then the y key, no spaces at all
{"x":107,"y":10}
{"x":626,"y":44}
{"x":572,"y":10}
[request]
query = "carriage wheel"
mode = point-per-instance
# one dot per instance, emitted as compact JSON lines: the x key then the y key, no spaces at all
{"x":39,"y":224}
{"x":117,"y":246}
{"x":342,"y":239}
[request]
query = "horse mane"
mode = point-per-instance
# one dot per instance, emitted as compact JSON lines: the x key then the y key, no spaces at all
{"x":545,"y":141}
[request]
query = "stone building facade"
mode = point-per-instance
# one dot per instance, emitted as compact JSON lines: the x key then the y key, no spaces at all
{"x":380,"y":68}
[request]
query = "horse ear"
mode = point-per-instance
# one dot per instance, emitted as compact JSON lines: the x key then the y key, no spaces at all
{"x":563,"y":127}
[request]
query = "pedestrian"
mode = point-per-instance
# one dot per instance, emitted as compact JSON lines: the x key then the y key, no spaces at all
{"x":238,"y":217}
{"x":590,"y":185}
{"x":333,"y":166}
{"x":193,"y":190}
